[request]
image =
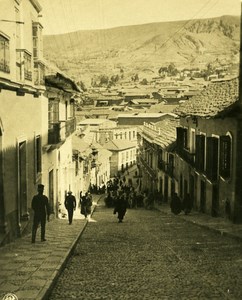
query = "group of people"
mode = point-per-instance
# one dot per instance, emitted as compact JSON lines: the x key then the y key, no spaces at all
{"x":177,"y":205}
{"x":85,"y":204}
{"x":41,"y":208}
{"x":120,"y":195}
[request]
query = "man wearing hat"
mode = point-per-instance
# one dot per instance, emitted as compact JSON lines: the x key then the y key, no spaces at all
{"x":40,"y":206}
{"x":70,"y":205}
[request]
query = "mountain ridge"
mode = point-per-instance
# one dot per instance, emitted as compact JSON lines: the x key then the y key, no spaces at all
{"x":86,"y":53}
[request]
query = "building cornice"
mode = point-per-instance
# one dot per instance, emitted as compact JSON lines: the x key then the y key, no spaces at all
{"x":20,"y":88}
{"x":36,"y":5}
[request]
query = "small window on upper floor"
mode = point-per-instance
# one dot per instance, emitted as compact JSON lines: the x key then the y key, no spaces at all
{"x":27,"y":66}
{"x":4,"y":55}
{"x":37,"y":40}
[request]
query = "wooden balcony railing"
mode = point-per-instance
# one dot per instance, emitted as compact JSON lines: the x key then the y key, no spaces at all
{"x":70,"y":126}
{"x":59,"y":131}
{"x":186,"y":155}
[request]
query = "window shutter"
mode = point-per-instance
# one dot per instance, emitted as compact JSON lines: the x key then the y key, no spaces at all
{"x":179,"y":134}
{"x":198,"y":150}
{"x":212,"y":158}
{"x":184,"y":143}
{"x":225,"y":154}
{"x":199,"y":155}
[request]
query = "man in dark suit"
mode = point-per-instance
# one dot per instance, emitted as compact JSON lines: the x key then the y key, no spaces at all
{"x":70,"y":205}
{"x":40,"y":206}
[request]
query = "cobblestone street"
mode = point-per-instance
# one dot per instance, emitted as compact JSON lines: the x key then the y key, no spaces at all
{"x":150,"y":256}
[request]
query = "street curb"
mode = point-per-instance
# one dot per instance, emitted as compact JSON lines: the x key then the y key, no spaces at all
{"x":215,"y":230}
{"x":45,"y":292}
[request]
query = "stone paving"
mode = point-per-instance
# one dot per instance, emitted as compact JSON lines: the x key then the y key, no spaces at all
{"x":152,"y":255}
{"x":104,"y":258}
{"x":29,"y":270}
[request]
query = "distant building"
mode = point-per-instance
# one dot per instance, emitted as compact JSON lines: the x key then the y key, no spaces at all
{"x":142,"y":103}
{"x":95,"y":124}
{"x":140,"y":118}
{"x":105,"y":135}
{"x":123,"y":155}
{"x":156,"y":159}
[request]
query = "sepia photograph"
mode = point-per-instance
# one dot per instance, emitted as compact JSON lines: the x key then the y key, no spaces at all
{"x":120,"y":149}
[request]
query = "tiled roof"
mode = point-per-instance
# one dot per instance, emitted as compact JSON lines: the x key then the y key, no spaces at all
{"x":162,"y":133}
{"x":216,"y":98}
{"x":118,"y":145}
{"x":141,"y":115}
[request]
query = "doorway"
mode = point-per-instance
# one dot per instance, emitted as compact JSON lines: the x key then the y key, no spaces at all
{"x":22,"y":172}
{"x":166,"y":189}
{"x":203,"y":197}
{"x":215,"y":201}
{"x":51,"y":191}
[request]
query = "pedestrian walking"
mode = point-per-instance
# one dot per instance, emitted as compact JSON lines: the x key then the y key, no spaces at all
{"x":70,"y":205}
{"x":86,"y":204}
{"x":187,"y":204}
{"x":121,"y":206}
{"x":176,"y":205}
{"x":40,"y":206}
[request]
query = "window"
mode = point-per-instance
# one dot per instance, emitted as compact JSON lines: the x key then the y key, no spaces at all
{"x":225,"y":156}
{"x":192,"y":141}
{"x":72,"y":108}
{"x":37,"y":40}
{"x":39,"y":73}
{"x":53,"y":111}
{"x":129,"y":135}
{"x":181,"y":137}
{"x":212,"y":158}
{"x":4,"y":55}
{"x":27,"y":66}
{"x":200,"y":152}
{"x":160,"y":159}
{"x":38,"y":154}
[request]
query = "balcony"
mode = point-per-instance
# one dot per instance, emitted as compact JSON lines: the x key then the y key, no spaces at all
{"x":54,"y":133}
{"x":185,"y":154}
{"x":59,"y":131}
{"x":170,"y":170}
{"x":162,"y":165}
{"x":28,"y":75}
{"x":70,"y":126}
{"x":151,"y":171}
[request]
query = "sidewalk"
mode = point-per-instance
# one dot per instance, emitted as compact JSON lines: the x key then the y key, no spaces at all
{"x":29,"y":270}
{"x":219,"y":225}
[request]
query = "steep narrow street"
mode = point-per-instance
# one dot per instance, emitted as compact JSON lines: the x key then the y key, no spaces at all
{"x":150,"y":256}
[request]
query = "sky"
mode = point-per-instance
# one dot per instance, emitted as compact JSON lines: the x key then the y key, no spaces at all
{"x":62,"y":16}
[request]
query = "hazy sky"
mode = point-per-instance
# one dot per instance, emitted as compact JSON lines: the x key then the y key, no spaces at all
{"x":60,"y":16}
